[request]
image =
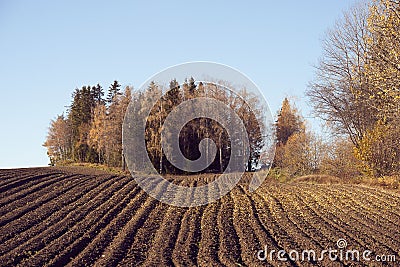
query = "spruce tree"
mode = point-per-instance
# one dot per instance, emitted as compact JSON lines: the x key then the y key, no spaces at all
{"x":98,"y":94}
{"x":113,"y":91}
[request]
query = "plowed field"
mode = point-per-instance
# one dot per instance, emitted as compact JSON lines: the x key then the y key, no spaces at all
{"x":58,"y":217}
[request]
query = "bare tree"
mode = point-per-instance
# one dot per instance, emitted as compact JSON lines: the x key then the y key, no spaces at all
{"x":339,"y":79}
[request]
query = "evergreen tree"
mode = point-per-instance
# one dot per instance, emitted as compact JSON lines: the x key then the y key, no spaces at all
{"x":80,"y":117}
{"x":98,"y":94}
{"x":113,"y":91}
{"x":113,"y":127}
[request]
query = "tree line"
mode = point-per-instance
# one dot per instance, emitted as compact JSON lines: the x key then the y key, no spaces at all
{"x":356,"y":88}
{"x":356,"y":91}
{"x":300,"y":151}
{"x":199,"y":128}
{"x":92,"y":129}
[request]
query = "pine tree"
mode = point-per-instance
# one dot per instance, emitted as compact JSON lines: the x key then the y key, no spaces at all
{"x":113,"y":127}
{"x":80,"y":117}
{"x":98,"y":94}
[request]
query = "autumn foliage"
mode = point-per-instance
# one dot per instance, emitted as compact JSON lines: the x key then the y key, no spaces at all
{"x":356,"y":89}
{"x":91,"y":131}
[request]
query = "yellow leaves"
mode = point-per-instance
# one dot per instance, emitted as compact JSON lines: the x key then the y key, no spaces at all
{"x":382,"y":69}
{"x":378,"y":149}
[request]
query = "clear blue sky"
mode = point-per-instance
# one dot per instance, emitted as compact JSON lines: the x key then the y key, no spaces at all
{"x":48,"y":48}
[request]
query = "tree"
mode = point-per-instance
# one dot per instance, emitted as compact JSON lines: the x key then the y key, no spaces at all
{"x":378,"y":147}
{"x":80,"y":117}
{"x":289,"y":122}
{"x":299,"y":151}
{"x":98,"y":133}
{"x":303,"y":154}
{"x":252,"y":119}
{"x":171,"y":99}
{"x":94,"y":127}
{"x":383,"y":66}
{"x":339,"y":77}
{"x":339,"y":160}
{"x":113,"y":91}
{"x":154,"y":122}
{"x":294,"y":159}
{"x":356,"y":89}
{"x":379,"y":150}
{"x":59,"y":141}
{"x":98,"y":94}
{"x":113,"y":127}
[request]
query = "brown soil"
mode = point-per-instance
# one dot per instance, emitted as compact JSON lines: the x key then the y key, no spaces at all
{"x":83,"y":217}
